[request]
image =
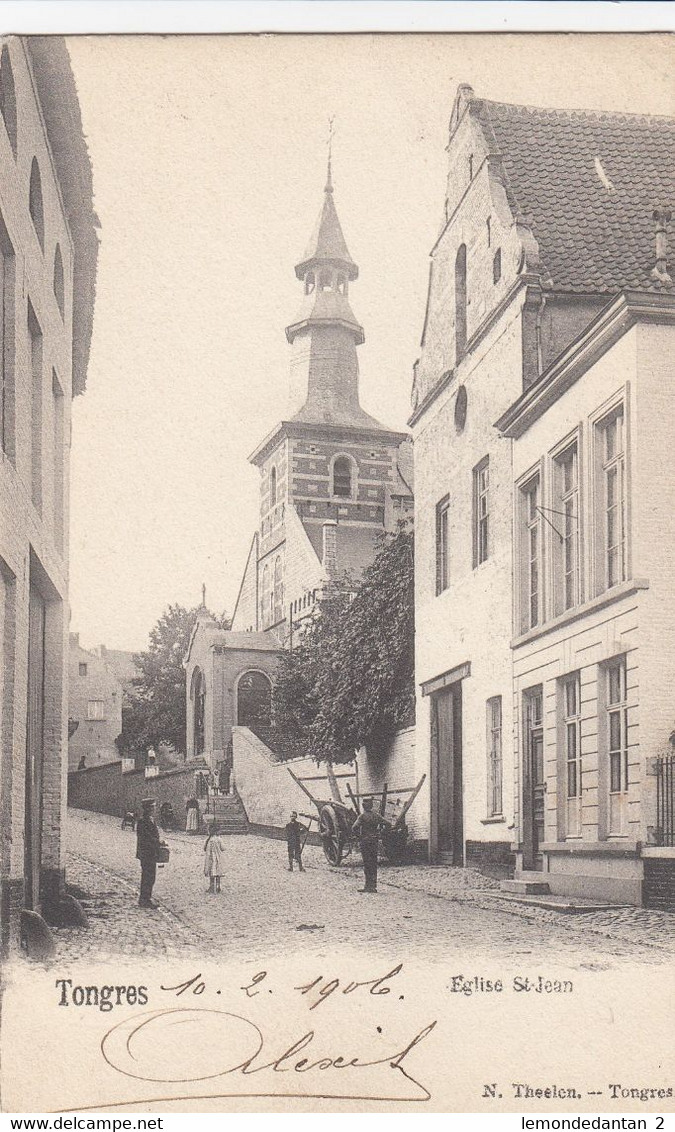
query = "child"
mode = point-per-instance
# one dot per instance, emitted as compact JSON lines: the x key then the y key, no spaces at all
{"x":294,"y":831}
{"x":214,"y":859}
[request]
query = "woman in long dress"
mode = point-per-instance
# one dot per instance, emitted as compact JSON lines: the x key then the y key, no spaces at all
{"x":192,"y":816}
{"x":214,"y":860}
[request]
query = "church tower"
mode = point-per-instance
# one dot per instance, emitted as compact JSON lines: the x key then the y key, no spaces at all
{"x":332,"y":477}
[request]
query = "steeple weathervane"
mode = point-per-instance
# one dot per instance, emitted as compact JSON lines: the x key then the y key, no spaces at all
{"x":329,"y":175}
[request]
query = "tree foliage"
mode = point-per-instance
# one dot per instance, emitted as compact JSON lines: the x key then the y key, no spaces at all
{"x":349,"y":681}
{"x":153,"y":708}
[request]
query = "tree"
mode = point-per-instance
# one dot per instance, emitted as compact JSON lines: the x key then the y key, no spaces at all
{"x":153,"y":711}
{"x":349,"y":682}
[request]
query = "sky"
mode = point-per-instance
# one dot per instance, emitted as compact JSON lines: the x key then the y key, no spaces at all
{"x":209,"y":160}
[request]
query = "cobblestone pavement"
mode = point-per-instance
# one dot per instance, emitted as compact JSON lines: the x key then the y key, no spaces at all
{"x":265,"y":909}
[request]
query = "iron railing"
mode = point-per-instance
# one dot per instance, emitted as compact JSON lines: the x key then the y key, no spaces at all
{"x":665,"y":800}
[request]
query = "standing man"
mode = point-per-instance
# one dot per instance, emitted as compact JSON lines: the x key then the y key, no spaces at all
{"x":147,"y":845}
{"x":294,"y":830}
{"x":367,"y":828}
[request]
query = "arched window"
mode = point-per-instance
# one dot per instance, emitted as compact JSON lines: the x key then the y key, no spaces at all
{"x":58,"y":280}
{"x":278,"y":598}
{"x":8,"y":98}
{"x":342,"y":477}
{"x":310,"y":282}
{"x":273,"y":487}
{"x":254,"y":700}
{"x":35,"y":206}
{"x":342,"y":284}
{"x":265,"y":597}
{"x":460,"y":302}
{"x":198,"y":697}
{"x":325,"y":281}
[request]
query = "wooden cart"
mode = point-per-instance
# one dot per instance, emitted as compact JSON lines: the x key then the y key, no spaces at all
{"x":336,"y":817}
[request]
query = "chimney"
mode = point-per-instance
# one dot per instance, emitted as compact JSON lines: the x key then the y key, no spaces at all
{"x":329,"y":557}
{"x":659,"y":272}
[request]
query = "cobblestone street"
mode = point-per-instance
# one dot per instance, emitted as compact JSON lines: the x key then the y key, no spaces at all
{"x":265,"y":909}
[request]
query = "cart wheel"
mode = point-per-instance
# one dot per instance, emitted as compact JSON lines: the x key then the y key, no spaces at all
{"x":395,"y":845}
{"x":331,"y":836}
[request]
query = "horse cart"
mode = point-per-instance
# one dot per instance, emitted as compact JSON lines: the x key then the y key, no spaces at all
{"x":336,"y":818}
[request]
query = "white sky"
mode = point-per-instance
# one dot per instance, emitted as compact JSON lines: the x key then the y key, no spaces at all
{"x":209,"y":163}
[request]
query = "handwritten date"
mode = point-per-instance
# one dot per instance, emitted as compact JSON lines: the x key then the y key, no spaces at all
{"x":316,"y":991}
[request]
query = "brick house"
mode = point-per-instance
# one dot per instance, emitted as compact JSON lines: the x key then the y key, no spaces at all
{"x":545,"y":625}
{"x":94,"y":708}
{"x":332,"y":480}
{"x":47,"y":274}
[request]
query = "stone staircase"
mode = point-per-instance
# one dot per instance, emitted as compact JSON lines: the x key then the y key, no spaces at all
{"x":526,"y":883}
{"x":228,"y":812}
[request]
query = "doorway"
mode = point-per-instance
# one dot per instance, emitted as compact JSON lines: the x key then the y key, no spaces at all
{"x":35,"y":727}
{"x":534,"y":785}
{"x":446,"y":775}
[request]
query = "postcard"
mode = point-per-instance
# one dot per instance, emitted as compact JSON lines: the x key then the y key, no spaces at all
{"x":337,"y":734}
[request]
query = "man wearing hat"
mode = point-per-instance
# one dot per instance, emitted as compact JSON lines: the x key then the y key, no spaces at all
{"x":147,"y":846}
{"x":367,"y":828}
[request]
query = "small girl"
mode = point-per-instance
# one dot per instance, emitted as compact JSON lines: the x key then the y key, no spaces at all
{"x":214,"y":849}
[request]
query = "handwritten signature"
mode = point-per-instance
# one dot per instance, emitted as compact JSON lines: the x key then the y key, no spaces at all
{"x":189,"y":1045}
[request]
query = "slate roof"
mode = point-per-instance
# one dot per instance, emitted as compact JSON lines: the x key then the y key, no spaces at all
{"x":327,"y":242}
{"x":587,"y":183}
{"x":326,"y":307}
{"x":337,"y":411}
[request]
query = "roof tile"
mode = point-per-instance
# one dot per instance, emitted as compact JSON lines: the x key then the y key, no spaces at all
{"x":588,"y":183}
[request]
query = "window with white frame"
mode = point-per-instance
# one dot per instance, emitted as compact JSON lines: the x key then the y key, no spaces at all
{"x":566,"y":528}
{"x":494,"y":756}
{"x":617,"y":742}
{"x":96,"y":709}
{"x":611,"y":510}
{"x":481,"y":511}
{"x":442,"y":546}
{"x":531,"y":553}
{"x":570,"y":688}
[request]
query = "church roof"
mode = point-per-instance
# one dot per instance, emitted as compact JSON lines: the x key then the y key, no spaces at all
{"x":337,"y":412}
{"x":587,"y":184}
{"x":327,"y":242}
{"x":328,"y":307}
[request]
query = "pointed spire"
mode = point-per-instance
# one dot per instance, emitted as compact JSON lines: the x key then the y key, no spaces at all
{"x":202,"y":612}
{"x":328,"y":244}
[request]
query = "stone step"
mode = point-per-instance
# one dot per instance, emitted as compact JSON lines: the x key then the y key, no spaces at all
{"x":573,"y":905}
{"x":522,"y":886}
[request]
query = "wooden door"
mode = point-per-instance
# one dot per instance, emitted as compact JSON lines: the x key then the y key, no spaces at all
{"x":447,"y":764}
{"x":34,"y":748}
{"x":534,"y":785}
